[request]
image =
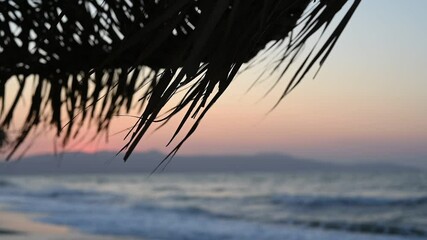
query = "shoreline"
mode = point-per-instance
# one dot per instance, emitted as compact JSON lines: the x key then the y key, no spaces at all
{"x":21,"y":226}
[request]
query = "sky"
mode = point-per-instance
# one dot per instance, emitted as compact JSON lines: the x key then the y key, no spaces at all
{"x":368,"y":103}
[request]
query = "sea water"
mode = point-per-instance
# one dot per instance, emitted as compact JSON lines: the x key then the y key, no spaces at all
{"x":291,"y":206}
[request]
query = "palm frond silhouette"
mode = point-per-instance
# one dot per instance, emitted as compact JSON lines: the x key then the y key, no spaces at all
{"x":90,"y":60}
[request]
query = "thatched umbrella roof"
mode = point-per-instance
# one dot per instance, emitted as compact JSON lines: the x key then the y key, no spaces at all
{"x":90,"y":60}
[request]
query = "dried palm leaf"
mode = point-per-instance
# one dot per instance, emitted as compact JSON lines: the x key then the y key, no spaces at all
{"x":90,"y":60}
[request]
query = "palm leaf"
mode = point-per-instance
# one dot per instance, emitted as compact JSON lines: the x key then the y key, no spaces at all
{"x":91,"y":60}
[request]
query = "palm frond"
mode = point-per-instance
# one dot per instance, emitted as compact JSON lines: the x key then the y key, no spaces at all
{"x":91,"y":60}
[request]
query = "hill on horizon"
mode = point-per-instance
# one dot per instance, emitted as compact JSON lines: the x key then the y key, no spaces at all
{"x":108,"y":162}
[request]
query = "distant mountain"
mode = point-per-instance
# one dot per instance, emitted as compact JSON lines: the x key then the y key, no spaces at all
{"x":107,"y":162}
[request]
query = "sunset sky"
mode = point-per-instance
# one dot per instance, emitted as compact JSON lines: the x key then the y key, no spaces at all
{"x":368,"y":102}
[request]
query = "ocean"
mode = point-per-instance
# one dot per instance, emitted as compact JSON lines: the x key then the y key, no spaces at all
{"x":291,"y":206}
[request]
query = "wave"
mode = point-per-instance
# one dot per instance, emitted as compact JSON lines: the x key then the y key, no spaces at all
{"x":359,"y":227}
{"x":362,"y":227}
{"x":5,"y":183}
{"x":161,"y":223}
{"x":66,"y":194}
{"x":332,"y":201}
{"x":180,"y":197}
{"x":189,"y":210}
{"x":167,"y":189}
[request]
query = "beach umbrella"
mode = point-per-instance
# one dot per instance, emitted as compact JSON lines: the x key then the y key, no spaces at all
{"x":87,"y":61}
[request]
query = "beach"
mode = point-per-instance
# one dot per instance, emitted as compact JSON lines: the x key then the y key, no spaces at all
{"x":19,"y":226}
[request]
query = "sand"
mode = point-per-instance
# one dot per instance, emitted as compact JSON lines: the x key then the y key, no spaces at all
{"x":18,"y":226}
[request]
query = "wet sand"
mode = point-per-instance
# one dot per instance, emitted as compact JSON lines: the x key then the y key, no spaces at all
{"x":18,"y":226}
